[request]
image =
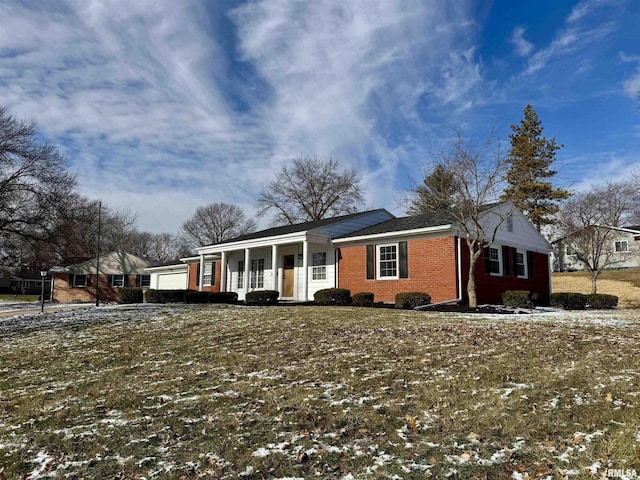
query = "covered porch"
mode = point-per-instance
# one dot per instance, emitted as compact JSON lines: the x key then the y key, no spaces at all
{"x":296,"y":265}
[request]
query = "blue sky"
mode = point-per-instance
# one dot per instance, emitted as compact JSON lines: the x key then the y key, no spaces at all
{"x":163,"y":105}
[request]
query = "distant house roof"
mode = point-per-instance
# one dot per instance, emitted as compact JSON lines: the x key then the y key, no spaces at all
{"x":413,"y":222}
{"x":117,"y":262}
{"x":298,"y":227}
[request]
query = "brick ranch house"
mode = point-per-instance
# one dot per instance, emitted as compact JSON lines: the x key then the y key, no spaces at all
{"x":78,"y":283}
{"x":376,"y":252}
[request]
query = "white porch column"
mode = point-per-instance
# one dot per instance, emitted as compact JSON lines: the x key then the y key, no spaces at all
{"x":201,"y":279}
{"x":274,"y":266}
{"x":305,"y":270}
{"x":223,"y":272}
{"x":247,"y":265}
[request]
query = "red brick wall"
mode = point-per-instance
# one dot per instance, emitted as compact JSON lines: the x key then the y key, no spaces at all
{"x":489,"y":288}
{"x":64,"y":293}
{"x":432,"y":269}
{"x":193,"y":278}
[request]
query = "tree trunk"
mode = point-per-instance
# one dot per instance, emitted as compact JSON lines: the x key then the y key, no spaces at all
{"x":471,"y":285}
{"x":594,"y":279}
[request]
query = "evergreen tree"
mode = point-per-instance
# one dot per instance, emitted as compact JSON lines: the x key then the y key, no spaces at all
{"x":435,"y":193}
{"x":529,"y":174}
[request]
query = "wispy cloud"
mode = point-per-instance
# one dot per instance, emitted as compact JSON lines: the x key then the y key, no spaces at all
{"x":523,"y":47}
{"x":575,"y":35}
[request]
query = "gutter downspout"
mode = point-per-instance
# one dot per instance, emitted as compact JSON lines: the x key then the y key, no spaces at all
{"x":455,"y":300}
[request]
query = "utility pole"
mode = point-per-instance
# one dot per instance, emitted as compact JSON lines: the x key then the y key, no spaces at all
{"x":98,"y":257}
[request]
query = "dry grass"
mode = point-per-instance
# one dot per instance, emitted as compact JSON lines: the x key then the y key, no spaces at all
{"x":625,"y":284}
{"x":298,"y":392}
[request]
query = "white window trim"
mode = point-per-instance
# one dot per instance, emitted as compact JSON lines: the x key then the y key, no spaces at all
{"x":625,"y":242}
{"x":525,"y":261}
{"x":120,"y":276}
{"x":207,"y":276}
{"x":256,"y":275}
{"x":500,"y":272}
{"x":75,"y":279}
{"x":241,"y":280}
{"x":377,"y":263}
{"x":318,"y":270}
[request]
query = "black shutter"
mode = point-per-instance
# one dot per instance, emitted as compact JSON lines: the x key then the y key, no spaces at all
{"x":487,"y":261}
{"x":404,"y":260}
{"x":370,"y":262}
{"x":88,"y":277}
{"x":197,"y":274}
{"x":125,"y":280}
{"x":71,"y":279}
{"x":506,"y":259}
{"x":529,"y":264}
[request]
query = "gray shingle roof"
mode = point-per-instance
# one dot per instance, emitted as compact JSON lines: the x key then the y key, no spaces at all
{"x":298,"y":227}
{"x":432,"y":219}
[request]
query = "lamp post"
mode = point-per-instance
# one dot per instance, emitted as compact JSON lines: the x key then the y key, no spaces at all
{"x":43,"y":274}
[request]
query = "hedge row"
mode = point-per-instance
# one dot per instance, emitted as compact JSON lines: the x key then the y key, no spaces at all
{"x":333,"y":296}
{"x":519,"y":299}
{"x":262,"y":297}
{"x":188,"y":296}
{"x":411,"y":300}
{"x":578,"y":301}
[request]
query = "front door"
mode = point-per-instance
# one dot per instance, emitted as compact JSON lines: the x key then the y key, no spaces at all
{"x":287,"y":276}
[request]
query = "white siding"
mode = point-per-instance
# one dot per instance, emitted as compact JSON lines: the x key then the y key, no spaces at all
{"x":523,"y":234}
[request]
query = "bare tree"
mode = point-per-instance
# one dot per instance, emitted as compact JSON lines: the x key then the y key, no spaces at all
{"x":311,"y":189}
{"x":162,"y":247}
{"x":583,"y":221}
{"x":475,"y":181}
{"x":33,"y":180}
{"x":215,"y":223}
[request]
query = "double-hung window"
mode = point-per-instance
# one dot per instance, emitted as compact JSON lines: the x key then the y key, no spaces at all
{"x":494,"y":261}
{"x":117,"y":280}
{"x":621,"y":246}
{"x":143,"y":281}
{"x":80,"y":281}
{"x":240,"y":273}
{"x":257,"y":273}
{"x":208,"y":276}
{"x":388,"y":261}
{"x":521,"y":264}
{"x":319,"y":266}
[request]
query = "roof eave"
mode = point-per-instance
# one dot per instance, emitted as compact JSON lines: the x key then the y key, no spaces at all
{"x":397,"y":233}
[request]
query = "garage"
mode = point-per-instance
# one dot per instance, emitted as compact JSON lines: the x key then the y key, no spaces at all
{"x":168,"y":277}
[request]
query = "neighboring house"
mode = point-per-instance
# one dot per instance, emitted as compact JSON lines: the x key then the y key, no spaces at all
{"x":30,"y":283}
{"x":78,"y":283}
{"x":5,"y":280}
{"x":621,"y":250}
{"x":376,"y":252}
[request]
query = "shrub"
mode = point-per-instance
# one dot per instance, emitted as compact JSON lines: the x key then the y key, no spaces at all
{"x":262,"y":297}
{"x":569,"y":301}
{"x":333,"y":296}
{"x":130,"y":295}
{"x":519,"y":298}
{"x":601,"y":300}
{"x":166,"y":296}
{"x":196,"y":297}
{"x":223,"y":297}
{"x":363,"y":299}
{"x":411,"y":300}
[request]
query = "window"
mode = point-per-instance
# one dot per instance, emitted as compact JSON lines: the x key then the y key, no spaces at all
{"x":493,"y":261}
{"x":388,"y":261}
{"x":319,"y":263}
{"x":80,"y":281}
{"x":521,"y":264}
{"x":257,"y":273}
{"x":240,"y":273}
{"x":117,"y":280}
{"x":143,"y":280}
{"x":209,"y":274}
{"x":621,"y":246}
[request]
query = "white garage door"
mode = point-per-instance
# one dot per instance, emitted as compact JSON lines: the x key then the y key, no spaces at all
{"x":172,"y":281}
